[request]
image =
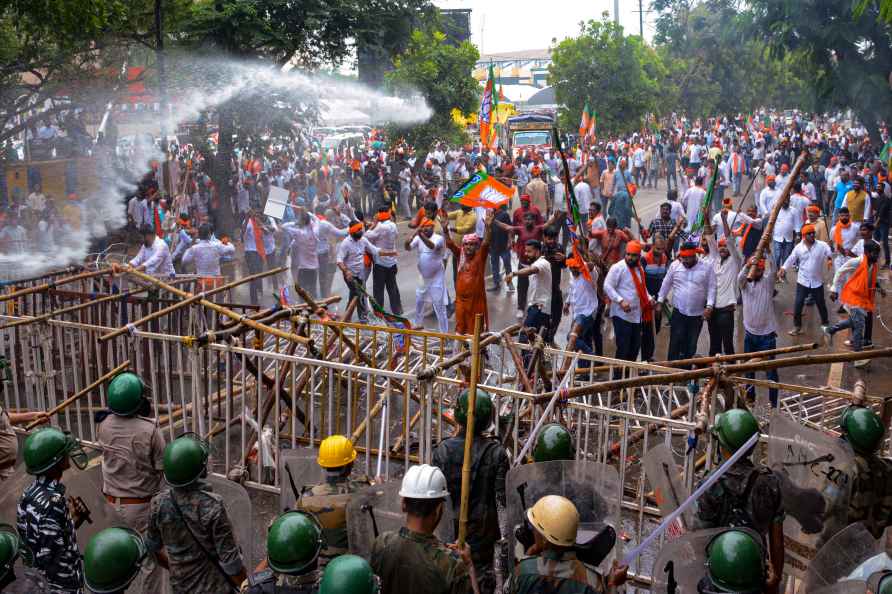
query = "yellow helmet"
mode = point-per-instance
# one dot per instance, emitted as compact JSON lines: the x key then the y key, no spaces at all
{"x":555,"y":518}
{"x":336,"y":451}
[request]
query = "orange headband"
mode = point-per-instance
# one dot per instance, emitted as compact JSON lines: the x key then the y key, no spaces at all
{"x":806,"y":229}
{"x":426,"y":223}
{"x":356,"y":228}
{"x":633,"y":247}
{"x":384,"y":215}
{"x":687,"y":253}
{"x":814,"y":209}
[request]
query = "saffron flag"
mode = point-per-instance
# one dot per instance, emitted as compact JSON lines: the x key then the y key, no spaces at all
{"x":483,"y":190}
{"x":583,"y":123}
{"x":484,"y":118}
{"x":592,"y":124}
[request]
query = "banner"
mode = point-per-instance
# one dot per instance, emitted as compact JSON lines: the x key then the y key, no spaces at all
{"x":483,"y":190}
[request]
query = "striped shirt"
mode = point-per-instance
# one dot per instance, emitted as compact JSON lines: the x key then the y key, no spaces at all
{"x":758,"y":306}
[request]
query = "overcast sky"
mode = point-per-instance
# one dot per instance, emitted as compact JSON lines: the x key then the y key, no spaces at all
{"x":511,"y":25}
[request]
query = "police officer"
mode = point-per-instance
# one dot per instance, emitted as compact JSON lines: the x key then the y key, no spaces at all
{"x":328,"y":501}
{"x":735,"y":563}
{"x":871,"y":499}
{"x":748,"y":494}
{"x":189,"y":531}
{"x":489,"y":465}
{"x":413,"y":560}
{"x":45,"y":520}
{"x":293,"y":543}
{"x":349,"y":574}
{"x":27,"y":581}
{"x":112,"y":561}
{"x":9,"y":443}
{"x":132,"y":460}
{"x":554,"y":442}
{"x":551,"y":564}
{"x":880,"y":582}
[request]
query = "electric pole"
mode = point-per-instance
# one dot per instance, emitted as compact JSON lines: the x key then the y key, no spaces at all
{"x":616,"y":11}
{"x":641,"y":17}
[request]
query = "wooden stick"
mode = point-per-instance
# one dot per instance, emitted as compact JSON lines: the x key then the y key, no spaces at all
{"x":68,"y":401}
{"x":469,"y":433}
{"x":769,"y":228}
{"x":434,"y":370}
{"x":30,"y":320}
{"x":828,"y":392}
{"x":220,"y":309}
{"x":45,"y":286}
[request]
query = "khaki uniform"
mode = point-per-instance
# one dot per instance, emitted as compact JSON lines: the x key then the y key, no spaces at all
{"x":132,"y":464}
{"x":556,"y":572}
{"x":328,"y":502}
{"x":419,"y":564}
{"x":9,"y":446}
{"x":269,"y":582}
{"x":871,"y":500}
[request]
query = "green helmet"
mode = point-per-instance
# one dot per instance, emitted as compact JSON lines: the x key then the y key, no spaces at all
{"x":112,"y":560}
{"x":5,"y":370}
{"x":734,"y":427}
{"x":46,"y":447}
{"x":10,"y":547}
{"x":483,"y":410}
{"x":125,"y":394}
{"x":734,"y":562}
{"x":293,"y":542}
{"x":554,"y":442}
{"x":884,"y":584}
{"x":349,"y":574}
{"x":862,"y":428}
{"x":185,"y":460}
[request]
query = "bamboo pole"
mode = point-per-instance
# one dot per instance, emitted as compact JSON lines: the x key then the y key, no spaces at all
{"x":638,"y":434}
{"x":220,"y":309}
{"x":469,"y":433}
{"x":187,"y":301}
{"x":743,"y":198}
{"x":31,"y":279}
{"x":695,"y":374}
{"x":828,"y":392}
{"x":769,"y":228}
{"x":518,"y":365}
{"x":434,"y":370}
{"x":51,"y":285}
{"x":31,"y":320}
{"x":74,"y":397}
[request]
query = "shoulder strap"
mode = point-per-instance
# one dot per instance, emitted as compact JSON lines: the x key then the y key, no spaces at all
{"x":212,"y":558}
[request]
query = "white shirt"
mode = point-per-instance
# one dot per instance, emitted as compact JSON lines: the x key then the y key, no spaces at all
{"x":206,"y":256}
{"x":352,"y":252}
{"x":304,"y":242}
{"x":269,"y":240}
{"x":785,"y":225}
{"x":156,"y":258}
{"x":726,"y":274}
{"x":619,"y":286}
{"x":583,"y":196}
{"x":384,"y":236}
{"x":326,"y":232}
{"x":693,"y":200}
{"x":766,"y":200}
{"x":676,"y":211}
{"x":811,"y":262}
{"x":798,"y":204}
{"x":430,"y":261}
{"x":540,"y":284}
{"x":758,"y":302}
{"x":738,"y":219}
{"x":583,"y":298}
{"x":693,"y":289}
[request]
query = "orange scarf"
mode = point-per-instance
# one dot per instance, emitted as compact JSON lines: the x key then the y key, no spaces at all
{"x":258,"y":239}
{"x":860,"y":289}
{"x":837,"y":232}
{"x":647,"y":310}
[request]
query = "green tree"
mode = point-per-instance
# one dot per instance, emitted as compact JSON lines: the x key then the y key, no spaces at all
{"x":619,"y":76}
{"x":442,"y":74}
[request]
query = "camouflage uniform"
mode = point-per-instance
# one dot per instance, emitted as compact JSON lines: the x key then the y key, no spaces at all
{"x":871,"y":500}
{"x":489,"y":465}
{"x":556,"y":572}
{"x":746,"y":496}
{"x":27,"y":581}
{"x":328,"y":502}
{"x":191,"y":572}
{"x":410,"y":562}
{"x":269,"y":582}
{"x":9,"y":445}
{"x":46,"y":528}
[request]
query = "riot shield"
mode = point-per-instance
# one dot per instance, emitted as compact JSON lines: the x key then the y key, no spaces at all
{"x":664,"y":476}
{"x":378,"y":509}
{"x":240,"y":511}
{"x":841,"y":557}
{"x":591,"y":486}
{"x":683,"y":561}
{"x":846,"y":587}
{"x":297,"y":469}
{"x":815,"y":471}
{"x":86,"y":484}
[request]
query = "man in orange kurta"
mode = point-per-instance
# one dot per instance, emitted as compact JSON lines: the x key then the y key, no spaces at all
{"x":470,"y":292}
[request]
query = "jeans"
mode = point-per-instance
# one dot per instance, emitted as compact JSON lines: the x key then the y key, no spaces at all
{"x":496,"y":261}
{"x":671,"y":176}
{"x":361,"y":308}
{"x":881,"y":234}
{"x":597,"y":337}
{"x":781,"y":250}
{"x":817,"y":293}
{"x":384,"y":277}
{"x":721,"y":331}
{"x":628,"y":339}
{"x":535,"y":322}
{"x":326,"y":274}
{"x":684,"y":331}
{"x":306,"y":278}
{"x":585,"y":336}
{"x":648,"y":341}
{"x":735,"y":184}
{"x":856,"y":322}
{"x":557,"y":314}
{"x":523,"y":285}
{"x":254,"y":263}
{"x":718,"y":196}
{"x":761,"y":342}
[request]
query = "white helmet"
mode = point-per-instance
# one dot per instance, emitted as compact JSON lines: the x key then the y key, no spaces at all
{"x":424,"y":482}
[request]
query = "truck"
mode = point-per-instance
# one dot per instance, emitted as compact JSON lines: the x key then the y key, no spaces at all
{"x":528,"y":131}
